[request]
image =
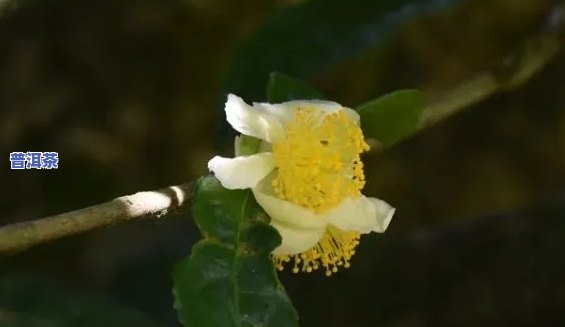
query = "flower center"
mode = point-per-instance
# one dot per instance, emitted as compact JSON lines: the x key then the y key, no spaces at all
{"x":318,"y":166}
{"x":318,"y":162}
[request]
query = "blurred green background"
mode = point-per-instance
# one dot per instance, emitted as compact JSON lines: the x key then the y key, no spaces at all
{"x":130,"y":93}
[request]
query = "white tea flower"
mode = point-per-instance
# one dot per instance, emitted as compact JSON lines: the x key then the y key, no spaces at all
{"x":307,"y":176}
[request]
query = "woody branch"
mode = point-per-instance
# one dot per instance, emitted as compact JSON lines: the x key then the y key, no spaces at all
{"x":529,"y":59}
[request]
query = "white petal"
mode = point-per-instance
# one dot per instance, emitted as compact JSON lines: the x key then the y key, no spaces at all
{"x":285,"y":111}
{"x":363,"y":215}
{"x":295,"y":240}
{"x":299,"y":227}
{"x":241,"y":172}
{"x":384,"y":212}
{"x":252,"y":121}
{"x":285,"y":212}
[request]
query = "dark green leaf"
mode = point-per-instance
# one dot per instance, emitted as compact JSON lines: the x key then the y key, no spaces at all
{"x":392,"y":117}
{"x":27,"y":301}
{"x":283,"y":88}
{"x":229,"y":279}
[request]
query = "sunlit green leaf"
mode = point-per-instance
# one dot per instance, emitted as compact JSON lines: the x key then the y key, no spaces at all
{"x":392,"y":117}
{"x":229,"y":279}
{"x":283,"y":88}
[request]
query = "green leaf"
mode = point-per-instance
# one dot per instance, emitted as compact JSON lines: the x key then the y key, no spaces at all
{"x":392,"y":117}
{"x":229,"y":278}
{"x":246,"y":145}
{"x":283,"y":88}
{"x":29,"y":301}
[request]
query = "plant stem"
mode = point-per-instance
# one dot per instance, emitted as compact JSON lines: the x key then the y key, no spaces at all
{"x":152,"y":204}
{"x":515,"y":71}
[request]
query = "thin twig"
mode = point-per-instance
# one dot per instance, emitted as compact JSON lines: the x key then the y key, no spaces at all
{"x":152,"y":204}
{"x":516,"y":69}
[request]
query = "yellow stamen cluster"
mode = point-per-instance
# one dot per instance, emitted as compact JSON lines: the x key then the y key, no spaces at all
{"x":318,"y":162}
{"x":334,"y":250}
{"x":318,"y":166}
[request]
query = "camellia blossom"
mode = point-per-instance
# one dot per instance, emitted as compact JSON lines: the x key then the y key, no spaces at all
{"x":307,"y":175}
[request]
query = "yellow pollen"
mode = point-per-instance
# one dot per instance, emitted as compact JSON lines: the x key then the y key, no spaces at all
{"x":319,"y":162}
{"x":332,"y":252}
{"x":318,"y":165}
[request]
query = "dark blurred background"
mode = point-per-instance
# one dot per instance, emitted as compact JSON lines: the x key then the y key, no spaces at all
{"x":130,"y":94}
